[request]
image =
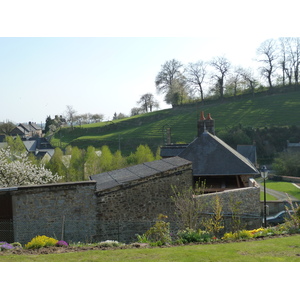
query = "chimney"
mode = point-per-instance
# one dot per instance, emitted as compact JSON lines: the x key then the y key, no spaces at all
{"x":206,"y":124}
{"x":201,"y":124}
{"x":210,"y":124}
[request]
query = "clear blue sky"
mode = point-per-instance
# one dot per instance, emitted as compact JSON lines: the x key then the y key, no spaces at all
{"x":102,"y":59}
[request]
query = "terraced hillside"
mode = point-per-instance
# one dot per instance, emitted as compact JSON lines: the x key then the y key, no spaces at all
{"x":127,"y":134}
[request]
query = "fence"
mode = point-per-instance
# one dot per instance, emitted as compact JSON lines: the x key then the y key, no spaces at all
{"x":88,"y":231}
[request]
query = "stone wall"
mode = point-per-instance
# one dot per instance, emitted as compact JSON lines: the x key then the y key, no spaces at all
{"x":77,"y":212}
{"x":65,"y":211}
{"x":134,"y":208}
{"x":249,"y":209}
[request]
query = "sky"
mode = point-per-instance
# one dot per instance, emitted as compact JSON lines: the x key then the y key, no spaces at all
{"x":103,"y":58}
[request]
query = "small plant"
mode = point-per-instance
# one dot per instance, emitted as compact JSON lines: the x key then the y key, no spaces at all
{"x":62,"y":244}
{"x":215,"y":223}
{"x":142,"y":239}
{"x":6,"y":246}
{"x":41,"y":241}
{"x":193,"y":236}
{"x":159,"y":233}
{"x":110,"y":244}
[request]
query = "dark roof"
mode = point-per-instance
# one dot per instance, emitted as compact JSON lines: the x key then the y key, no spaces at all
{"x":249,"y":151}
{"x":172,"y":150}
{"x":115,"y":178}
{"x":211,"y":157}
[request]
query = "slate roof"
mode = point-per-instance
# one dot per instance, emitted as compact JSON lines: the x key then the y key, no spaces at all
{"x":249,"y":151}
{"x":211,"y":156}
{"x":115,"y":178}
{"x":172,"y":150}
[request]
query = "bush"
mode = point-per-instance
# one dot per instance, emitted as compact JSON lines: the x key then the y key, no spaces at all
{"x":109,"y":244}
{"x":158,"y":234}
{"x":6,"y":246}
{"x":41,"y":241}
{"x":193,"y":236}
{"x":62,"y":244}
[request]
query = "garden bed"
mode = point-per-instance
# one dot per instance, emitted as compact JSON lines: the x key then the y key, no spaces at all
{"x":58,"y":250}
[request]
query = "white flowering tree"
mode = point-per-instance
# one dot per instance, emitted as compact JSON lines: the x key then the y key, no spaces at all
{"x":17,"y":169}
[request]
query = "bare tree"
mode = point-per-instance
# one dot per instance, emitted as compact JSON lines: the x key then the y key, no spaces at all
{"x":70,"y":115}
{"x":248,"y":77}
{"x":195,"y":74}
{"x":294,"y":52}
{"x":148,"y":102}
{"x":268,"y":56}
{"x":222,"y":65}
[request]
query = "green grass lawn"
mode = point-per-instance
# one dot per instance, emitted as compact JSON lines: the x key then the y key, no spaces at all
{"x":268,"y":197}
{"x":279,"y":249}
{"x":285,"y":187}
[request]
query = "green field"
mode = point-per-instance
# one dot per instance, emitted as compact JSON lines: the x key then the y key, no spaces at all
{"x":279,"y":249}
{"x":127,"y":134}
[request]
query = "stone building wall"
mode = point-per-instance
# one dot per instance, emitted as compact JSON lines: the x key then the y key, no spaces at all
{"x":65,"y":211}
{"x":246,"y":202}
{"x":132,"y":209}
{"x":77,"y":212}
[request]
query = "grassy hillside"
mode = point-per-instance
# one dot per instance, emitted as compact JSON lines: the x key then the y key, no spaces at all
{"x":127,"y":134}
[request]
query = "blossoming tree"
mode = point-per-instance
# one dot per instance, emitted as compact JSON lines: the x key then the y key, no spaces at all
{"x":17,"y":169}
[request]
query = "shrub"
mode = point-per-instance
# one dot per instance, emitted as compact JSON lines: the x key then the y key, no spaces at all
{"x":243,"y":234}
{"x":41,"y":241}
{"x":193,"y":236}
{"x":110,"y":243}
{"x":159,"y":233}
{"x":6,"y":246}
{"x":62,"y":244}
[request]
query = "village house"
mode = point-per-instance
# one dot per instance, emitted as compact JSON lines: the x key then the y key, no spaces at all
{"x":215,"y":163}
{"x":27,"y":130}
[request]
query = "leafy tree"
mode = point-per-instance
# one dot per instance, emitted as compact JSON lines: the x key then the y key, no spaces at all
{"x":16,"y":145}
{"x":56,"y":163}
{"x":147,"y":102}
{"x":92,"y":162}
{"x":16,"y":169}
{"x":118,"y":160}
{"x":75,"y":172}
{"x":6,"y":128}
{"x":143,"y":154}
{"x":106,"y":159}
{"x":178,"y":92}
{"x":287,"y":164}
